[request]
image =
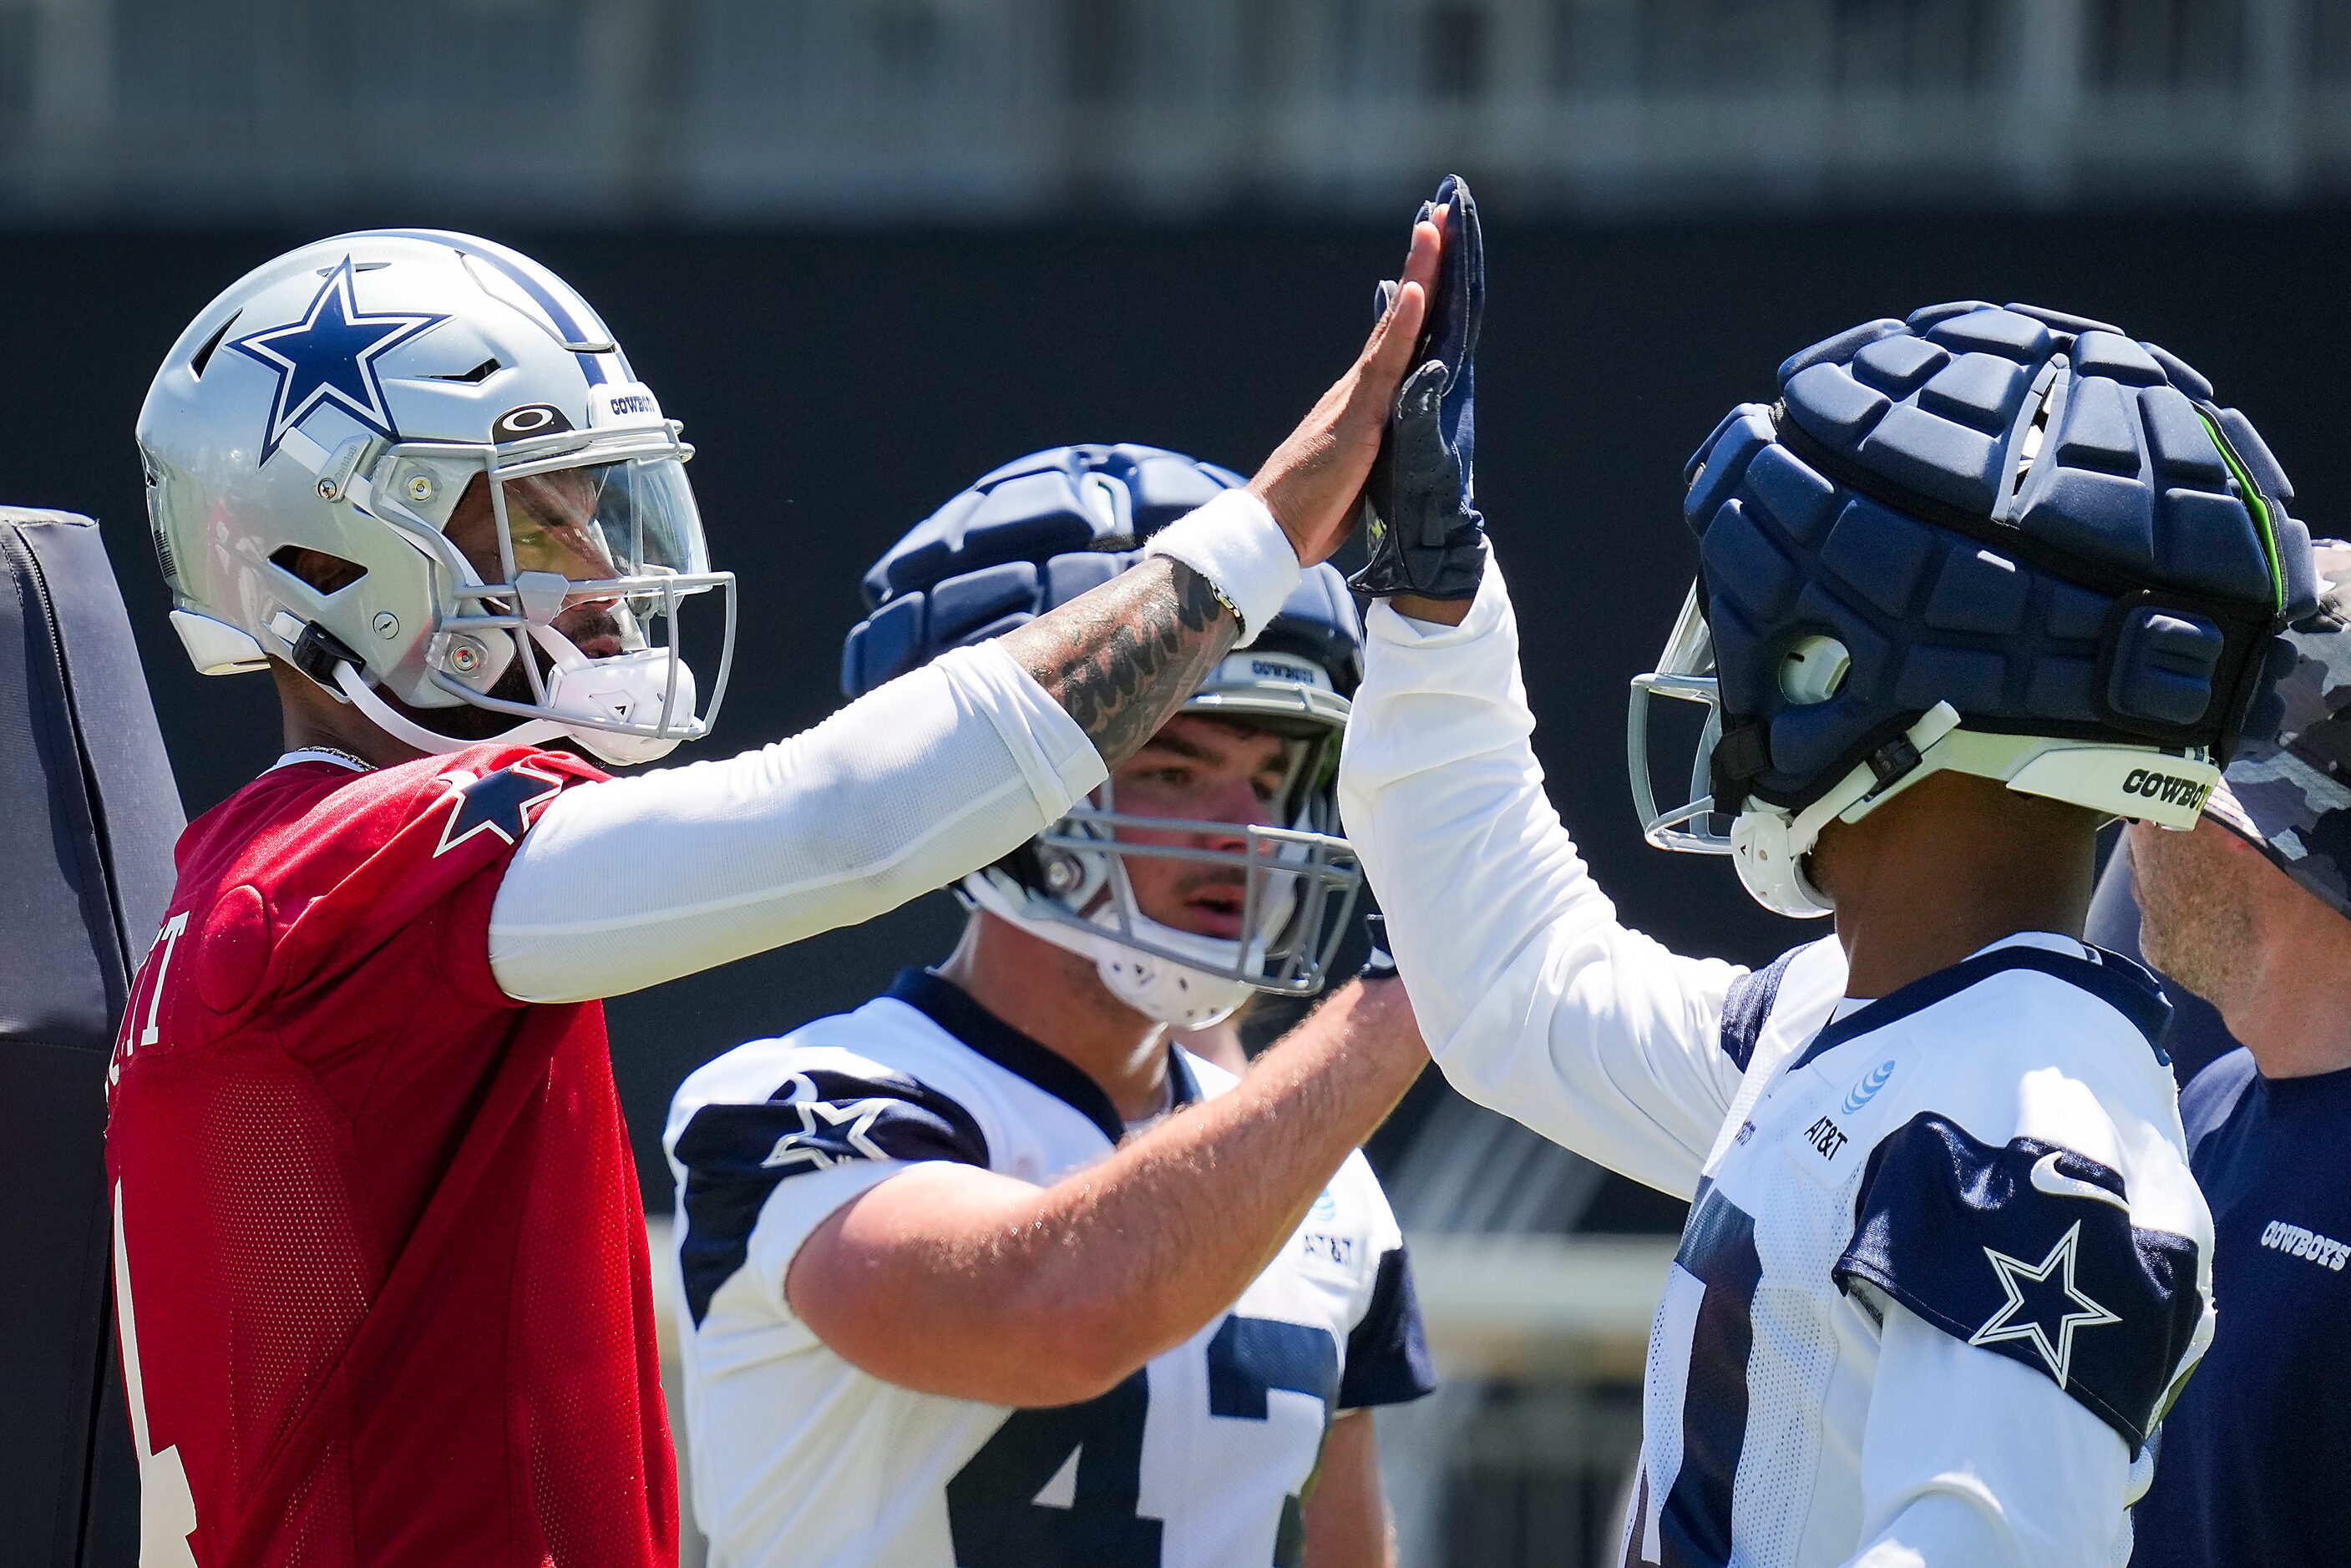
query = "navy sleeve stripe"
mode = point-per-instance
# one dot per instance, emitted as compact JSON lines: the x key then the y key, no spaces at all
{"x":1387,"y":1352}
{"x":736,"y":1155}
{"x":1250,"y":1357}
{"x":2027,"y":1250}
{"x":2114,"y":979}
{"x":1747,"y":1004}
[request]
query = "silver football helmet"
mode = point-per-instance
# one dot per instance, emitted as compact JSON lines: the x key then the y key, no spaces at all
{"x":416,"y":466}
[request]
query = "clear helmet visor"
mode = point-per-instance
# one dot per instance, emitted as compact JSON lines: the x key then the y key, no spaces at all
{"x":603,"y":526}
{"x":578,"y":576}
{"x":601,"y":520}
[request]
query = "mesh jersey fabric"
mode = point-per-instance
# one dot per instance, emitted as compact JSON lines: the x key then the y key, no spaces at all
{"x":1764,"y":1400}
{"x":379,"y":1223}
{"x":801,"y":1459}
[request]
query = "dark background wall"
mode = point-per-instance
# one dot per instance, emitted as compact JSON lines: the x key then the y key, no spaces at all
{"x":839,"y":387}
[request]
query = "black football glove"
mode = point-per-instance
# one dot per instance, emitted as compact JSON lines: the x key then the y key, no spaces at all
{"x":1426,"y":536}
{"x":1379,"y":963}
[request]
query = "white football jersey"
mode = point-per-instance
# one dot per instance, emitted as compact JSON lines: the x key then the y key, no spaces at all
{"x":1945,"y":1262}
{"x":1197,"y":1461}
{"x":1996,"y":1149}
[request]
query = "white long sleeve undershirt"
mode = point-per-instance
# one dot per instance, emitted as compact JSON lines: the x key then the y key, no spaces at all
{"x":629,"y":882}
{"x":1534,"y":999}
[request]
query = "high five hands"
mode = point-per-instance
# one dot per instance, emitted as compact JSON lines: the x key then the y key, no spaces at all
{"x":1420,"y":498}
{"x":1394,"y":440}
{"x":1314,"y":480}
{"x":1428,"y":540}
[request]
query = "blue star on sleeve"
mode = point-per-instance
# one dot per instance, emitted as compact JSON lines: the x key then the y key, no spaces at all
{"x":503,"y":803}
{"x":736,"y":1154}
{"x":2028,"y":1251}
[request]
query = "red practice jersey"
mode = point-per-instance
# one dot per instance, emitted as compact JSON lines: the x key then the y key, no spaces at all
{"x":380,"y":1253}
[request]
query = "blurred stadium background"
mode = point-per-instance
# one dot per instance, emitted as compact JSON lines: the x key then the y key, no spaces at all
{"x":867,"y":249}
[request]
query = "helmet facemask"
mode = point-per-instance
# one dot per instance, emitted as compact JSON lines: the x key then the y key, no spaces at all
{"x":315,"y":433}
{"x":1293,"y":880}
{"x":560,"y":578}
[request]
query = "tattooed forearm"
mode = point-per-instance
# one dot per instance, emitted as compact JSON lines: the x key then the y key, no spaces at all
{"x":1124,"y":657}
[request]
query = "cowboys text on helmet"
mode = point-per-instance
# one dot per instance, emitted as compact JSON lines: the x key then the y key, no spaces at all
{"x":2001,"y":540}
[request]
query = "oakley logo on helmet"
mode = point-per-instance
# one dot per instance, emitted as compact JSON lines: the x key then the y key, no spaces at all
{"x":2168,"y":788}
{"x":530,"y":419}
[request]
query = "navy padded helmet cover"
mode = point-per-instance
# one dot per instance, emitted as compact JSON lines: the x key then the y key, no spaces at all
{"x":2118,"y":584}
{"x":1038,"y":532}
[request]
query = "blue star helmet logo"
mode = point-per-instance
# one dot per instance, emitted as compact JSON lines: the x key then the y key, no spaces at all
{"x":330,"y":356}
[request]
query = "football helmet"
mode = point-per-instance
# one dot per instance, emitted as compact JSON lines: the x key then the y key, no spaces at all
{"x":1036,"y":534}
{"x":2005,"y":541}
{"x":415,"y":465}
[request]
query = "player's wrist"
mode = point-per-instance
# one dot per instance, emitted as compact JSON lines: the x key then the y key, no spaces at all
{"x":1237,"y":546}
{"x":1440,"y":612}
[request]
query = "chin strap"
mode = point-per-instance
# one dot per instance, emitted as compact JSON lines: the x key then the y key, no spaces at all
{"x":325,"y":658}
{"x":1175,"y":994}
{"x":407,"y":731}
{"x":2138,"y":782}
{"x":1769,"y":845}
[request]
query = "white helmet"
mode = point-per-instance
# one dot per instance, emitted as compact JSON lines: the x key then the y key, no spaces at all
{"x":416,"y":466}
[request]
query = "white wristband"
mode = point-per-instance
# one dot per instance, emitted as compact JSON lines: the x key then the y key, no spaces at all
{"x":1234,"y":541}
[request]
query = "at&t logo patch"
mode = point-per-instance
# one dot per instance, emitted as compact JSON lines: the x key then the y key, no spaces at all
{"x":1862,"y":1092}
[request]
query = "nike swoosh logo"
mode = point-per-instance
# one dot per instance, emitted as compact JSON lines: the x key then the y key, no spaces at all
{"x":2048,"y":1179}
